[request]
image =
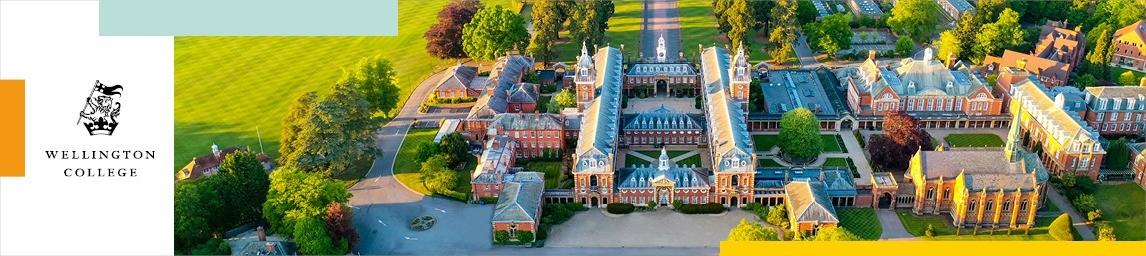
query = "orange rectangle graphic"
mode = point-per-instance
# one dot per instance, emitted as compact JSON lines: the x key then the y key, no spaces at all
{"x":12,"y":133}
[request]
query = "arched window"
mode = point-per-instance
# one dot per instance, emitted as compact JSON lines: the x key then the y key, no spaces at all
{"x":593,"y":181}
{"x":931,"y":193}
{"x":990,"y":205}
{"x":947,"y":193}
{"x":1007,"y":205}
{"x":971,"y":206}
{"x":1023,"y":205}
{"x":735,"y":181}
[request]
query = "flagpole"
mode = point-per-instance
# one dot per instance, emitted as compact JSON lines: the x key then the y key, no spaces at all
{"x":260,"y":134}
{"x":87,"y":101}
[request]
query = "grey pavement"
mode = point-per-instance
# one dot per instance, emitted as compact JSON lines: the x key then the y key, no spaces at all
{"x":660,"y":18}
{"x":892,"y":227}
{"x":660,"y":228}
{"x":806,"y":55}
{"x":1078,"y":220}
{"x":858,"y":156}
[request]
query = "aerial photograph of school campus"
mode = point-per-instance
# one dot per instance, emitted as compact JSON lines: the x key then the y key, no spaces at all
{"x":660,"y":127}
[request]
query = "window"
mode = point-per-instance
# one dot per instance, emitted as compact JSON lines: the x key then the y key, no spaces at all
{"x":931,"y":193}
{"x":1099,"y":116}
{"x":990,"y":205}
{"x":1007,"y":205}
{"x":971,"y":206}
{"x":1126,"y":117}
{"x":1023,"y":205}
{"x":947,"y":193}
{"x":1113,"y":116}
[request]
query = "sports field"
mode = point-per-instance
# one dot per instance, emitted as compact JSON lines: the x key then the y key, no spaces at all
{"x":226,"y":87}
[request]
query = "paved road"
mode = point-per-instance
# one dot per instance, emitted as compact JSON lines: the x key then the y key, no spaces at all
{"x":806,"y":55}
{"x":383,"y":206}
{"x":858,"y":156}
{"x":1079,"y":221}
{"x":661,"y":18}
{"x":892,"y":227}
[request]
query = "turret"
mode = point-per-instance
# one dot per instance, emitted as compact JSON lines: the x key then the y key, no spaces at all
{"x":585,"y":78}
{"x":740,"y":78}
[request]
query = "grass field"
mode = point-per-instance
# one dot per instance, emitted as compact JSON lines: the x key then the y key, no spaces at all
{"x":1050,"y":207}
{"x":916,"y":225}
{"x":553,"y":172}
{"x":405,"y":169}
{"x":1116,"y":72}
{"x":974,"y":140}
{"x":226,"y":87}
{"x":836,"y":162}
{"x":1122,"y":206}
{"x":697,"y":26}
{"x":765,"y":142}
{"x":767,"y":162}
{"x":860,"y":221}
{"x":630,"y":160}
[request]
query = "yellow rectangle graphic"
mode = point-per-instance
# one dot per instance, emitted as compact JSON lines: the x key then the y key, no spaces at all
{"x":12,"y":132}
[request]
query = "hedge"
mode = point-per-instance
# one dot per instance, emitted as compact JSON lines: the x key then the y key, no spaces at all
{"x":620,"y":208}
{"x":708,"y":208}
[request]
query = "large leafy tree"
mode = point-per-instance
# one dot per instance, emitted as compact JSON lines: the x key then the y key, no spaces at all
{"x":1117,"y":155}
{"x":830,"y":35}
{"x":751,"y":231}
{"x":903,"y":45}
{"x":437,"y":176}
{"x":800,"y":132}
{"x":1098,"y":43}
{"x":1128,"y":78}
{"x":784,"y":30}
{"x":376,"y":81}
{"x":1003,"y":34}
{"x":455,"y":148}
{"x":949,"y":44}
{"x":588,"y":20}
{"x":806,"y":12}
{"x":296,"y":195}
{"x":546,"y":25}
{"x":493,"y":31}
{"x":338,"y":133}
{"x":311,"y":236}
{"x":835,"y":233}
{"x":196,"y":205}
{"x":1120,"y":13}
{"x":564,"y":99}
{"x":244,"y":186}
{"x":292,"y":124}
{"x":340,"y":226}
{"x":444,"y":39}
{"x":740,"y":21}
{"x":903,"y":136}
{"x":914,"y":17}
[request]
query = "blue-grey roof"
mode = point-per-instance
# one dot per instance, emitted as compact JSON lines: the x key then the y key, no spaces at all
{"x":652,"y":69}
{"x":459,"y":78}
{"x":961,"y":5}
{"x":808,"y":201}
{"x":791,"y":89}
{"x":867,"y":7}
{"x":502,"y":79}
{"x":662,"y":118}
{"x":838,"y":181}
{"x":665,"y":169}
{"x":520,"y":198}
{"x":727,"y":128}
{"x":601,"y":123}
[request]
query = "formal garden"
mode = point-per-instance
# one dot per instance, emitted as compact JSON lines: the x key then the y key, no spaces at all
{"x":435,"y":168}
{"x":554,"y":173}
{"x":830,"y":142}
{"x":974,"y":140}
{"x":941,"y":229}
{"x":861,"y":221}
{"x":1122,"y":206}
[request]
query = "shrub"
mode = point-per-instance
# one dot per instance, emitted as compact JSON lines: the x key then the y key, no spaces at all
{"x":542,"y":232}
{"x":524,"y":236}
{"x":709,"y":208}
{"x":1061,"y":229}
{"x":619,"y":208}
{"x":501,"y":237}
{"x":214,"y":246}
{"x":1085,"y":184}
{"x":676,"y":204}
{"x":1105,"y":232}
{"x":488,"y":200}
{"x":1094,"y":215}
{"x":930,"y":232}
{"x":651,"y":204}
{"x":859,"y":137}
{"x":752,"y":206}
{"x":575,"y":206}
{"x":1068,"y":180}
{"x":778,"y":215}
{"x":1084,"y":203}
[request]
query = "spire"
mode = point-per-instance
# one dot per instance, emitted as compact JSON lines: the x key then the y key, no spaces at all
{"x":664,"y":160}
{"x":1014,"y":140}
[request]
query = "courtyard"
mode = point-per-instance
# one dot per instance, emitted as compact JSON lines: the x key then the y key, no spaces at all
{"x":660,"y":228}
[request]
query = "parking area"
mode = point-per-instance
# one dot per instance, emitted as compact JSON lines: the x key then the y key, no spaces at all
{"x":459,"y":228}
{"x":660,"y":228}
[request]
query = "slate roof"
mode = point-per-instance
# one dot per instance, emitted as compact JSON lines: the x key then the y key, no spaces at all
{"x":1065,"y":126}
{"x":601,"y":123}
{"x":644,"y":176}
{"x":727,"y":129}
{"x":662,"y":118}
{"x":494,"y":161}
{"x":981,"y":169}
{"x":961,"y":5}
{"x":652,"y":69}
{"x":520,"y":198}
{"x":1117,"y":98}
{"x":459,"y":78}
{"x":524,"y":93}
{"x":808,"y":201}
{"x":867,"y":7}
{"x":527,"y":121}
{"x":911,"y":77}
{"x":787,"y":91}
{"x":502,"y":79}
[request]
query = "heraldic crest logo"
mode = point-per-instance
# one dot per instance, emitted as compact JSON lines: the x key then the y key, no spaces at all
{"x":101,"y":109}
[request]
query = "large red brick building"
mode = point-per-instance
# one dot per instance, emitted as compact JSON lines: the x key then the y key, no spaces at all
{"x":1130,"y":47}
{"x":504,"y":93}
{"x":536,"y":134}
{"x":1116,"y":110}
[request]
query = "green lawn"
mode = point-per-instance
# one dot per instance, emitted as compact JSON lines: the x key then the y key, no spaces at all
{"x":974,"y":140}
{"x":630,"y":160}
{"x":697,"y":26}
{"x":831,"y":143}
{"x":860,"y":221}
{"x":1116,"y":72}
{"x":1050,"y":207}
{"x":405,"y":169}
{"x":624,"y":27}
{"x":836,"y":162}
{"x":226,"y":87}
{"x":554,"y":173}
{"x":690,"y":161}
{"x":916,"y":225}
{"x":765,"y":142}
{"x":767,"y":162}
{"x":657,"y":153}
{"x":1122,"y":206}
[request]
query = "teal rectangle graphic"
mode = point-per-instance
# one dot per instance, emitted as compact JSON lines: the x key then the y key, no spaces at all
{"x":248,"y":17}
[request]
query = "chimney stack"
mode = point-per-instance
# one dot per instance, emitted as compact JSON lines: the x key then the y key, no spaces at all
{"x":270,"y":248}
{"x":951,"y":59}
{"x":262,"y":234}
{"x":871,"y":54}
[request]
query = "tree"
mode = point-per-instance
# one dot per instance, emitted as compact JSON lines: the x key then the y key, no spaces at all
{"x":1105,"y":231}
{"x":903,"y":136}
{"x":806,"y":12}
{"x":589,"y":19}
{"x":310,"y":235}
{"x":778,"y":216}
{"x":830,"y":35}
{"x":340,"y":226}
{"x":437,"y":176}
{"x":916,"y":18}
{"x":524,"y":236}
{"x":492,"y":32}
{"x":903,"y":45}
{"x":196,"y":204}
{"x":1085,"y":80}
{"x":244,"y":184}
{"x":546,"y":25}
{"x":501,"y":236}
{"x":1084,"y":203}
{"x":455,"y":148}
{"x":338,"y":133}
{"x":1094,"y":215}
{"x":835,"y":233}
{"x":740,"y":21}
{"x":784,"y":30}
{"x":949,"y":44}
{"x":751,"y":231}
{"x":800,"y":132}
{"x":376,"y":81}
{"x":1127,"y":78}
{"x":564,"y":99}
{"x":1120,"y":13}
{"x":1117,"y":155}
{"x":1003,"y":34}
{"x":425,"y":151}
{"x":444,"y":39}
{"x":292,"y":124}
{"x":1061,"y":229}
{"x":1098,"y":59}
{"x":930,"y":231}
{"x":296,"y":195}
